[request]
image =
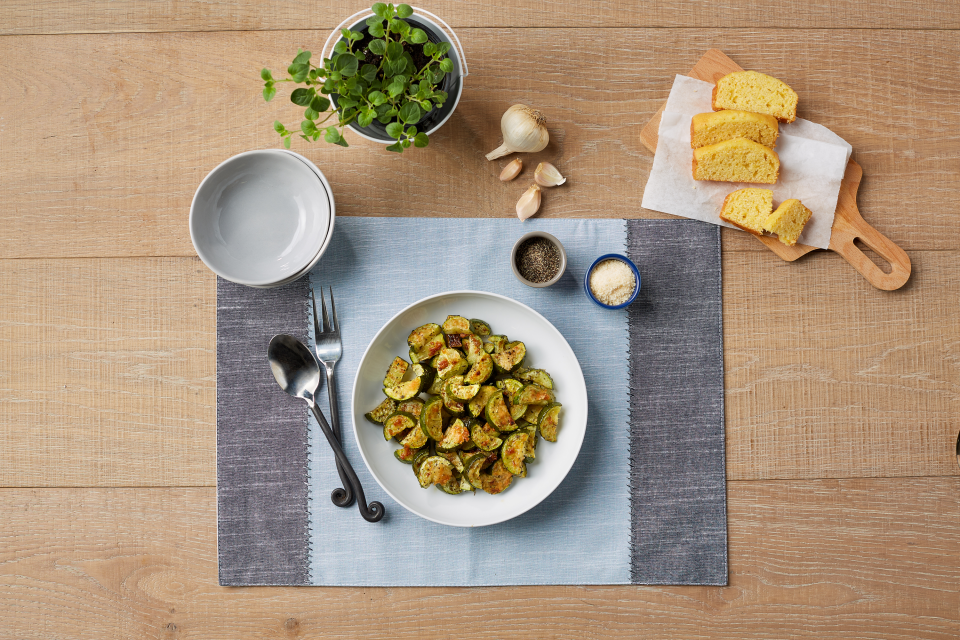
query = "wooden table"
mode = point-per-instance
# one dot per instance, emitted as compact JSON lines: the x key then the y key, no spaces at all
{"x":842,"y":401}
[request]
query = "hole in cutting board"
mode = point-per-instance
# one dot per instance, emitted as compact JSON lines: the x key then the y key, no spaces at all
{"x":875,"y":257}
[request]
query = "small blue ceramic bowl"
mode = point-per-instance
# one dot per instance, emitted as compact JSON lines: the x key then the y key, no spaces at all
{"x":611,"y":256}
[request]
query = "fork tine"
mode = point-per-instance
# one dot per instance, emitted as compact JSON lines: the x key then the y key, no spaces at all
{"x":316,"y":319}
{"x":333,"y":312}
{"x":323,"y":305}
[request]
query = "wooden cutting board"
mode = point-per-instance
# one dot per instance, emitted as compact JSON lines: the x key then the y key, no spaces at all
{"x":848,"y":224}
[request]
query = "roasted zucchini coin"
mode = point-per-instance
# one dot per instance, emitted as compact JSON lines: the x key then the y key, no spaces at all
{"x":435,"y":470}
{"x":397,"y":424}
{"x":395,"y":372}
{"x":455,"y":435}
{"x":479,"y":402}
{"x":497,"y":413}
{"x":382,"y":411}
{"x":532,"y":414}
{"x":413,"y":406}
{"x":406,"y":455}
{"x":497,"y":480}
{"x":513,"y":452}
{"x":497,"y":341}
{"x":510,"y":357}
{"x":550,"y":422}
{"x":453,"y":405}
{"x":456,"y":325}
{"x":533,"y":394}
{"x":538,"y":376}
{"x":458,"y":389}
{"x":452,"y":487}
{"x":485,"y":437}
{"x":431,"y":348}
{"x":479,"y":327}
{"x":422,"y":335}
{"x":404,"y":390}
{"x":472,"y":347}
{"x":431,"y":418}
{"x":531,"y":431}
{"x":449,"y":362}
{"x":481,"y":370}
{"x":453,"y":458}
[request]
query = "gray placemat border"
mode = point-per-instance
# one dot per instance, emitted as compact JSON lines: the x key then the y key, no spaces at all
{"x":263,"y":535}
{"x":677,"y":442}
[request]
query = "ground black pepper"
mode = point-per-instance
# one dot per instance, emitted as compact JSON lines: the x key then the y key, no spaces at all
{"x":538,"y":260}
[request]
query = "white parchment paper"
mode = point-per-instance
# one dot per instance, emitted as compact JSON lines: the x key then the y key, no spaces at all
{"x":812,"y":162}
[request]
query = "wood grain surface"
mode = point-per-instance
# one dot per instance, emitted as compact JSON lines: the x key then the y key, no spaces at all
{"x":142,"y":118}
{"x":841,"y":402}
{"x":142,"y":563}
{"x":29,"y":17}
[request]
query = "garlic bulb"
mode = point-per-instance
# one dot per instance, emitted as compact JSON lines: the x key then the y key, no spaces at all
{"x":529,"y":203}
{"x":547,"y":175}
{"x":524,"y":129}
{"x":512,"y":170}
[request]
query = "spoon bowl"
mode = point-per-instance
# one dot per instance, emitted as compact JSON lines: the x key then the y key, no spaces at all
{"x":294,"y":367}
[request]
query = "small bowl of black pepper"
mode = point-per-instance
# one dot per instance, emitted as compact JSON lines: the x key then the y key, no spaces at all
{"x":538,"y":259}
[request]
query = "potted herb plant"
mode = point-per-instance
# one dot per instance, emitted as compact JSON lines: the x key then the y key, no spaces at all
{"x":393,"y":75}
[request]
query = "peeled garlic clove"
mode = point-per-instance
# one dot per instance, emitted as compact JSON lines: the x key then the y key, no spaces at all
{"x":547,"y":175}
{"x":512,"y":170}
{"x":529,"y":203}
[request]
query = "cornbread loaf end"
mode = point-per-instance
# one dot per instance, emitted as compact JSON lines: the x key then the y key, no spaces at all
{"x":717,"y":126}
{"x":788,"y":221}
{"x":738,"y":160}
{"x":756,"y":92}
{"x":748,"y":209}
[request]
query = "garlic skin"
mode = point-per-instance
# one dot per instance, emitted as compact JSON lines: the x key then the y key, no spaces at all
{"x":524,"y":129}
{"x":512,"y":170}
{"x":548,"y":175}
{"x":529,"y":202}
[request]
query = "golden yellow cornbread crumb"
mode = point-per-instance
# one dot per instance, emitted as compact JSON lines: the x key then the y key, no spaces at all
{"x":788,"y":221}
{"x":748,"y":208}
{"x":738,"y":160}
{"x":756,"y":92}
{"x":717,"y":126}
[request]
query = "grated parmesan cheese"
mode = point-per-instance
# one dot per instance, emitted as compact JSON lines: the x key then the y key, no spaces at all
{"x":612,"y":282}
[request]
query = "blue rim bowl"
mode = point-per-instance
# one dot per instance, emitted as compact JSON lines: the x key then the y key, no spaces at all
{"x":613,"y":256}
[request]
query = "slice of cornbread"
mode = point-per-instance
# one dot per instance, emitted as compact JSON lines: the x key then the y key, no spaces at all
{"x":738,"y":160}
{"x":717,"y":126}
{"x":756,"y":92}
{"x":748,"y":208}
{"x":788,"y":221}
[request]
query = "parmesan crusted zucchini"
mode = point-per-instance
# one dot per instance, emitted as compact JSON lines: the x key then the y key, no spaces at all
{"x":382,"y":411}
{"x":550,"y":422}
{"x":514,"y":452}
{"x":479,"y":425}
{"x":456,"y":325}
{"x":395,"y":372}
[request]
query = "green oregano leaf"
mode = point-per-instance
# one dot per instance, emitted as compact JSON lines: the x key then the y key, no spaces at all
{"x":381,"y":10}
{"x":446,"y":64}
{"x":278,"y":127}
{"x":319,"y":104}
{"x":377,"y":47}
{"x":302,"y":97}
{"x":286,"y":142}
{"x":376,"y":30}
{"x":268,"y":92}
{"x":421,"y":140}
{"x":298,"y":71}
{"x":310,"y":114}
{"x":332,"y":135}
{"x":346,"y":64}
{"x":266,"y":75}
{"x":396,"y":147}
{"x":395,"y":130}
{"x":429,"y":49}
{"x":410,"y":112}
{"x":340,"y":47}
{"x":404,"y":10}
{"x":376,"y":98}
{"x":394,"y":50}
{"x":302,"y":57}
{"x":418,"y":36}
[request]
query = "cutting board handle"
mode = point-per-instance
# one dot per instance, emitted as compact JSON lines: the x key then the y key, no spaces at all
{"x":850,"y":225}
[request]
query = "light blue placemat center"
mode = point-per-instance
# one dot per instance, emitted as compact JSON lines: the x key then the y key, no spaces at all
{"x":581,"y":533}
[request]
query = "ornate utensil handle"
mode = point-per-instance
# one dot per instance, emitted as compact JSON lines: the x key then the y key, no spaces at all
{"x":372,"y":512}
{"x":342,"y":497}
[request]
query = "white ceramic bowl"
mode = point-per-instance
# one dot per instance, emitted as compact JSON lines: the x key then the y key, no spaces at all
{"x":261,"y":217}
{"x":546,"y":348}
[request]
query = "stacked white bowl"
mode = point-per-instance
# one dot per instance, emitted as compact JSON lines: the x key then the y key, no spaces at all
{"x":262,"y":218}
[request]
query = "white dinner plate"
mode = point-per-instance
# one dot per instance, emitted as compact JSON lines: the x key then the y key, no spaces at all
{"x":546,"y":349}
